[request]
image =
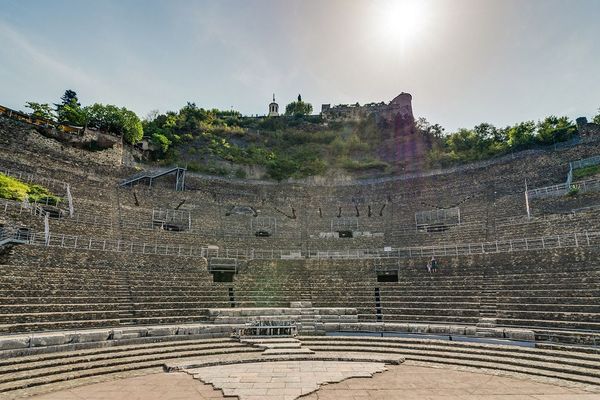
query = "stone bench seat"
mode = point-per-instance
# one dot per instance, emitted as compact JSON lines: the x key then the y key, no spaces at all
{"x":50,"y":280}
{"x":570,"y":337}
{"x":56,"y":307}
{"x":547,"y":323}
{"x":57,"y":293}
{"x":559,"y":274}
{"x":454,"y":311}
{"x":201,"y":292}
{"x":43,"y":282}
{"x":458,"y":292}
{"x":56,"y":325}
{"x":428,"y":299}
{"x":199,"y":298}
{"x":166,"y":319}
{"x":182,"y":303}
{"x":551,"y":315}
{"x":572,"y":300}
{"x":430,"y":319}
{"x":548,"y":285}
{"x":188,"y":286}
{"x":566,"y":293}
{"x":160,"y":311}
{"x":44,"y":299}
{"x":428,"y":305}
{"x":48,"y":316}
{"x":539,"y":307}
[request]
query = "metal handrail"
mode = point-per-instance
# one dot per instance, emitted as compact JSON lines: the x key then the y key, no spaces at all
{"x":577,"y":239}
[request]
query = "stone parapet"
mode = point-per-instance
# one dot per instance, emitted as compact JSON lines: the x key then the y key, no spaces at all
{"x":432,"y":329}
{"x":65,"y":339}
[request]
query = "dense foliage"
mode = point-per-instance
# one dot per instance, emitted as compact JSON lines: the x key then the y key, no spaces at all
{"x":109,"y":118}
{"x":41,"y":110}
{"x":298,"y":108}
{"x":13,"y":189}
{"x":485,"y":140}
{"x":119,"y":121}
{"x":300,"y":144}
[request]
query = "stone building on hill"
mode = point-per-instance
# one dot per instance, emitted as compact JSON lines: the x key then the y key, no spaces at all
{"x":587,"y":129}
{"x":273,"y":108}
{"x":399,"y":107}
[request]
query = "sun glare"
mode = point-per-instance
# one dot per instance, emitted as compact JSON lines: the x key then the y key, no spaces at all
{"x":400,"y":20}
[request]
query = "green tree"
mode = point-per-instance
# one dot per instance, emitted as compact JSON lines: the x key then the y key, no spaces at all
{"x":41,"y":110}
{"x":435,"y":131}
{"x":555,"y":129}
{"x":596,"y":119}
{"x":69,"y":111}
{"x":298,"y":108}
{"x":521,"y":134}
{"x":119,"y":121}
{"x":162,"y":142}
{"x":132,"y":126}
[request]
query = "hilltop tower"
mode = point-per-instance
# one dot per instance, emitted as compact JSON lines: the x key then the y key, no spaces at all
{"x":273,"y":108}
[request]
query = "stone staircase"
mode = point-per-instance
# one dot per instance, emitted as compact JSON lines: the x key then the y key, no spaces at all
{"x":307,"y":316}
{"x":488,"y":308}
{"x":278,"y":346}
{"x":124,"y":298}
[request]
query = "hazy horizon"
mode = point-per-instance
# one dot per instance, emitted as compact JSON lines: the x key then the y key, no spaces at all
{"x":463,"y":61}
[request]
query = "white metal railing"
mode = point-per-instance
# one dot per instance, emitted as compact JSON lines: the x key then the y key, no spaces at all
{"x":590,"y":185}
{"x":398,"y":234}
{"x":31,"y":178}
{"x":586,"y":162}
{"x":578,"y":239}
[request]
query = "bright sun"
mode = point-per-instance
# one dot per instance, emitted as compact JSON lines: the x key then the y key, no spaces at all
{"x":400,"y":20}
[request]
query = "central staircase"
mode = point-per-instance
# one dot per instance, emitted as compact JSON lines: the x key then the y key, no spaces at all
{"x":278,"y":346}
{"x":124,"y":298}
{"x":488,"y":307}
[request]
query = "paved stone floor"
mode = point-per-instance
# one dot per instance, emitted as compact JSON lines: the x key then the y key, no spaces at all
{"x":282,"y":380}
{"x":406,"y":382}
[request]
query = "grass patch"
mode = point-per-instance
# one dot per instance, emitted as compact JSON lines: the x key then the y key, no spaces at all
{"x":363,"y":165}
{"x":581,"y":173}
{"x":13,"y":189}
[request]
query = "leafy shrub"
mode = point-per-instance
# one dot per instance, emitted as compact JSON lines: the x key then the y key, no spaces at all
{"x":573,"y":191}
{"x":14,"y":189}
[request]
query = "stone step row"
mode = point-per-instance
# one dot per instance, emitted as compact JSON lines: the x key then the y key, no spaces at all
{"x":547,"y":367}
{"x":30,"y":370}
{"x":84,"y":369}
{"x":571,"y":354}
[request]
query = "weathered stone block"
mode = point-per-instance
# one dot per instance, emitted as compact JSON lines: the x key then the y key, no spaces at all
{"x":14,"y":342}
{"x":329,"y":327}
{"x":396,"y":327}
{"x":91,"y":336}
{"x":520,"y":334}
{"x":49,"y":339}
{"x":190,"y":330}
{"x":162,"y":331}
{"x":349,"y":327}
{"x":470,"y":330}
{"x":457,"y":330}
{"x":116,"y":334}
{"x":439,"y":329}
{"x":418,"y":328}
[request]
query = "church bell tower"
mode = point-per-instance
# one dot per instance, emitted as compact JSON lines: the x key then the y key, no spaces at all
{"x":273,"y":108}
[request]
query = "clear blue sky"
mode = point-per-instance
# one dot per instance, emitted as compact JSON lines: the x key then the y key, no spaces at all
{"x":464,"y":61}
